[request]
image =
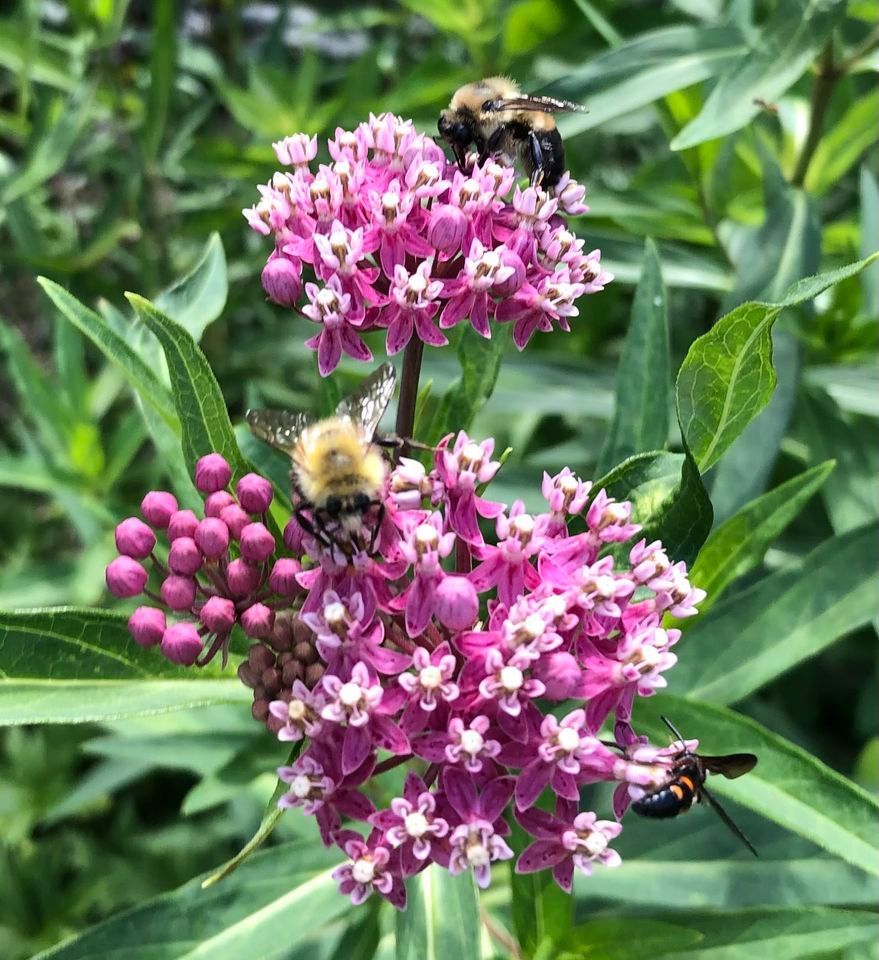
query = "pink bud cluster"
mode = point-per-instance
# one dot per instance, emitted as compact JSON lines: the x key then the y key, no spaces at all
{"x":395,"y":237}
{"x":220,"y":571}
{"x":486,"y":663}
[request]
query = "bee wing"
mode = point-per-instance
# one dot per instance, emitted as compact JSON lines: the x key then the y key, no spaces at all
{"x":278,"y":428}
{"x":544,"y":104}
{"x":727,"y":819}
{"x":731,"y":765}
{"x":369,"y":401}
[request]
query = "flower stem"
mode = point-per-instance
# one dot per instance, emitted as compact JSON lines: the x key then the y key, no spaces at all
{"x":409,"y":389}
{"x":390,"y":763}
{"x":825,"y":81}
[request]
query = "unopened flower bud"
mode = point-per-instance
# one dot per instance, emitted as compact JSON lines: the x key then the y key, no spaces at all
{"x":184,"y":557}
{"x":282,"y":280}
{"x":157,"y":508}
{"x":241,"y":577}
{"x":257,"y":544}
{"x":448,"y":225}
{"x":254,"y":493}
{"x":260,"y":658}
{"x":257,"y":621}
{"x":293,"y":536}
{"x":560,"y":673}
{"x":313,"y":675}
{"x":182,"y":524}
{"x":146,"y":625}
{"x":178,"y":592}
{"x":282,"y":579}
{"x":456,"y":603}
{"x":218,"y":615}
{"x":212,"y":537}
{"x":506,"y":288}
{"x":215,"y":503}
{"x":212,"y":473}
{"x":181,"y":644}
{"x":125,"y":577}
{"x":260,"y":709}
{"x":247,"y":675}
{"x":235,"y":519}
{"x":135,"y":539}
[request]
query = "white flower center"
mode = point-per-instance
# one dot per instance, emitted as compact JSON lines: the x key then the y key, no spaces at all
{"x":363,"y":870}
{"x":350,"y":694}
{"x":605,"y":585}
{"x":300,"y":786}
{"x":296,"y":709}
{"x":534,"y":626}
{"x":472,"y":453}
{"x":595,"y":842}
{"x":426,"y":536}
{"x":523,"y":525}
{"x":417,"y":283}
{"x":430,"y":678}
{"x":568,"y":739}
{"x":511,"y":679}
{"x":478,"y":855}
{"x":472,"y":742}
{"x":334,"y":613}
{"x":416,"y":824}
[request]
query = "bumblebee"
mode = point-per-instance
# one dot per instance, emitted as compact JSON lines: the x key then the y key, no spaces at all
{"x":495,"y":116}
{"x":338,"y":470}
{"x":687,"y":783}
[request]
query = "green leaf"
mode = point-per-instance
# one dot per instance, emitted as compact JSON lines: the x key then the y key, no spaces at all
{"x":63,"y":124}
{"x":851,"y":499}
{"x":738,"y":545}
{"x":788,"y":786}
{"x":727,"y":376}
{"x":626,"y":938}
{"x":441,"y":919}
{"x":139,"y":376}
{"x":480,"y":361}
{"x":759,"y":634}
{"x":197,"y":299}
{"x":645,"y":69}
{"x":70,"y":665}
{"x":869,"y":232}
{"x":541,"y":910}
{"x":278,"y":900}
{"x":204,"y":419}
{"x":842,"y":145}
{"x":729,"y":883}
{"x":668,"y":499}
{"x":640,"y":420}
{"x":785,"y":47}
{"x":164,"y":49}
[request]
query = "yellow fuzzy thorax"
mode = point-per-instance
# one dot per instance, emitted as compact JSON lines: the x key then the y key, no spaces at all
{"x":334,"y":458}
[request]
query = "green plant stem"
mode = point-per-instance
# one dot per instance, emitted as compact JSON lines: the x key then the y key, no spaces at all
{"x":409,"y":389}
{"x":825,"y":80}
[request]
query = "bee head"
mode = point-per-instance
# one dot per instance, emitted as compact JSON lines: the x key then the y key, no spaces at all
{"x":457,"y":131}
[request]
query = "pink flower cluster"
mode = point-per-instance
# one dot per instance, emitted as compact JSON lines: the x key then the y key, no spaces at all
{"x":488,"y":665}
{"x":397,"y":238}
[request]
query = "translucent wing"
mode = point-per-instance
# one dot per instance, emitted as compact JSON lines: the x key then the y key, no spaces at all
{"x":544,"y":104}
{"x":370,"y":400}
{"x":731,"y":765}
{"x":278,"y":428}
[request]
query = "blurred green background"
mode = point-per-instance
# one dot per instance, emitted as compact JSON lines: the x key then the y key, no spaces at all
{"x":132,"y":134}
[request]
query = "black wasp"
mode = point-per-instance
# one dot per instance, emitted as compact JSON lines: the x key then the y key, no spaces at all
{"x":687,"y":783}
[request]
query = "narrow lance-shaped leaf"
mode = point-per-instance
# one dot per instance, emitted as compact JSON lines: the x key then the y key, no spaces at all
{"x":441,"y":919}
{"x":727,"y":376}
{"x":785,"y":47}
{"x":788,"y":785}
{"x":738,"y":545}
{"x":757,"y":635}
{"x":197,"y":299}
{"x":640,"y":421}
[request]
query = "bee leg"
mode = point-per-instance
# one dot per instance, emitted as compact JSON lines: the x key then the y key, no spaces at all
{"x":537,"y":159}
{"x":491,"y":145}
{"x":379,"y":519}
{"x":314,"y":529}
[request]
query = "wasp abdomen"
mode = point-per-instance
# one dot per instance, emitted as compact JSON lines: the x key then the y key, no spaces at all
{"x":668,"y":801}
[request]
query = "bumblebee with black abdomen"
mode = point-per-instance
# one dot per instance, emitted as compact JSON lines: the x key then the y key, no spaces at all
{"x":338,"y":472}
{"x":496,"y":117}
{"x":687,"y":783}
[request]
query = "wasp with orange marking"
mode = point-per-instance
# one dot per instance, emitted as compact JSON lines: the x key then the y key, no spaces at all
{"x":686,"y":783}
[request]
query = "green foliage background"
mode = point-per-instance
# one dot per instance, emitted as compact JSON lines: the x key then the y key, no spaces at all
{"x":729,"y":152}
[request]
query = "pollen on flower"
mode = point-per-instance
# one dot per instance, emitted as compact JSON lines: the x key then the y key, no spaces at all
{"x":391,"y":200}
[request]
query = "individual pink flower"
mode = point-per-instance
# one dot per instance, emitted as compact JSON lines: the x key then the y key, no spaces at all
{"x":331,"y":307}
{"x":414,"y":304}
{"x":411,"y":825}
{"x":368,"y":871}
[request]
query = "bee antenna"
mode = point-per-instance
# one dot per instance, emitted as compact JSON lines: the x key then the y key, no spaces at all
{"x":674,"y":730}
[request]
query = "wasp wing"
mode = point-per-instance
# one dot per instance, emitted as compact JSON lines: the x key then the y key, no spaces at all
{"x":544,"y":104}
{"x":278,"y":428}
{"x":727,"y":819}
{"x":731,"y":765}
{"x":367,"y":404}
